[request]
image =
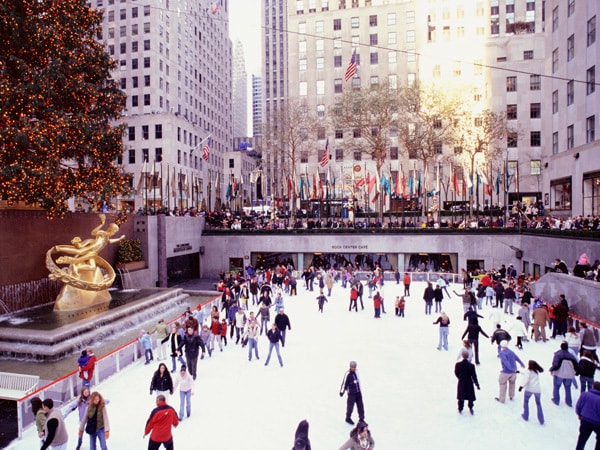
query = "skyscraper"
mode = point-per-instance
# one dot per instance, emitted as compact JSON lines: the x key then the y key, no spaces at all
{"x":240,"y":92}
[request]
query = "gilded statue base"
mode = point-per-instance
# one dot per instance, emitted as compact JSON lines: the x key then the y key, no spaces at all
{"x":71,"y":297}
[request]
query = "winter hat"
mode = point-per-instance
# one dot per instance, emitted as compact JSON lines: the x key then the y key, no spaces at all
{"x":504,"y":344}
{"x":183,"y":368}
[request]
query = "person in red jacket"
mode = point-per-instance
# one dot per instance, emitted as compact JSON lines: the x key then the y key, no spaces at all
{"x":159,"y":424}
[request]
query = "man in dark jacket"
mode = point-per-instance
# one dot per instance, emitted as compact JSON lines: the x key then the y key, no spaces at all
{"x":500,"y":335}
{"x":561,"y":315}
{"x":472,"y":332}
{"x":351,"y":385}
{"x":588,"y":411}
{"x":283,"y":323}
{"x":192,"y":343}
{"x":159,"y":424}
{"x":467,"y":377}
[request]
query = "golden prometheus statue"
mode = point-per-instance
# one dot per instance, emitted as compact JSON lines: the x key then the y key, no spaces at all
{"x":86,"y":276}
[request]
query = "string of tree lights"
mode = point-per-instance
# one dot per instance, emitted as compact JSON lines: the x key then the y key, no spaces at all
{"x":57,"y":104}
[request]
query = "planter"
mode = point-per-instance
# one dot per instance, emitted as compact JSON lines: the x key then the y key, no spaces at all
{"x":131,"y":266}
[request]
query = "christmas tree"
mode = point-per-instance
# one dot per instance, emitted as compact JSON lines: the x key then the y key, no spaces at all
{"x":58,"y":106}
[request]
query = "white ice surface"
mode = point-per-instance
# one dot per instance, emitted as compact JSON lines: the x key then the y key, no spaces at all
{"x":409,"y":387}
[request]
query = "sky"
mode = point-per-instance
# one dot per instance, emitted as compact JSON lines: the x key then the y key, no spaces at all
{"x":409,"y":387}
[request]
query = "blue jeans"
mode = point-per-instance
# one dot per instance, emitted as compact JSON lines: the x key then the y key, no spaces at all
{"x":428,"y":305}
{"x":586,"y":383}
{"x":558,"y":381}
{"x":174,"y":360}
{"x":185,"y":397}
{"x":252,"y":344}
{"x":264,"y":323}
{"x":274,"y":345}
{"x":538,"y":403}
{"x":100,"y":434}
{"x":443,"y":338}
{"x":148,"y":355}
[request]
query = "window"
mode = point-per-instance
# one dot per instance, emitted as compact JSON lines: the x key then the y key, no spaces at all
{"x":145,"y":153}
{"x":131,"y":133}
{"x":528,"y":54}
{"x":146,"y":27}
{"x":134,"y":46}
{"x":319,"y":45}
{"x":374,"y":58}
{"x":373,"y":20}
{"x":391,"y":19}
{"x":339,"y":134}
{"x":591,"y":31}
{"x":147,"y":45}
{"x":146,"y":62}
{"x":146,"y":99}
{"x":392,"y":37}
{"x":145,"y":132}
{"x":355,"y":22}
{"x":134,"y":12}
{"x":535,"y":82}
{"x":337,"y":24}
{"x":535,"y":138}
{"x":339,"y":154}
{"x":555,"y":19}
{"x":146,"y":10}
{"x":393,"y":81}
{"x":560,"y":193}
{"x":320,"y":87}
{"x":511,"y":84}
{"x":590,"y":85}
{"x":535,"y":167}
{"x":158,"y":157}
{"x":555,"y":143}
{"x":123,"y":83}
{"x":535,"y":110}
{"x":147,"y":80}
{"x":554,"y":60}
{"x":134,"y":100}
{"x":320,"y":63}
{"x":411,"y":78}
{"x":303,"y":88}
{"x":570,"y":137}
{"x":555,"y":102}
{"x":337,"y":86}
{"x":319,"y":26}
{"x":437,"y":71}
{"x":511,"y":112}
{"x":590,"y":129}
{"x":302,"y":47}
{"x":357,"y":155}
{"x":391,"y":57}
{"x":320,"y":110}
{"x":302,"y":65}
{"x":570,"y":92}
{"x":570,"y":47}
{"x":356,"y":133}
{"x":337,"y":61}
{"x":410,"y":17}
{"x":571,"y":8}
{"x":321,"y":133}
{"x":158,"y":131}
{"x":512,"y":139}
{"x":374,"y":80}
{"x":410,"y":36}
{"x":131,"y":156}
{"x":373,"y":39}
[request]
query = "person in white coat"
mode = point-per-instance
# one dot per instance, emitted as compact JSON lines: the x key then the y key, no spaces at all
{"x":517,"y":328}
{"x":531,"y":386}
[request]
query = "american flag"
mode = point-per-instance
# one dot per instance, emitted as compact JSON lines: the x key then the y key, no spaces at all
{"x":351,"y":70}
{"x":325,"y":157}
{"x":206,"y":149}
{"x":216,"y":6}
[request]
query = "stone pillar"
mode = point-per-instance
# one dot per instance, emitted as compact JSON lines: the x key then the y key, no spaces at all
{"x":161,"y":237}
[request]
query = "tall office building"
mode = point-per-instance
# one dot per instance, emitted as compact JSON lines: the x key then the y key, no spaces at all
{"x":240,"y":92}
{"x":571,"y":166}
{"x":532,"y":60}
{"x":256,"y":105}
{"x":174,"y":62}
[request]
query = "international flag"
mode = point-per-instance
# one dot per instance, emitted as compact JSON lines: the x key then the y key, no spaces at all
{"x":455,"y":182}
{"x":325,"y":157}
{"x":398,"y":190}
{"x":498,"y":181}
{"x":206,"y":149}
{"x":351,"y":69}
{"x":216,"y":6}
{"x":371,"y":181}
{"x":142,"y":183}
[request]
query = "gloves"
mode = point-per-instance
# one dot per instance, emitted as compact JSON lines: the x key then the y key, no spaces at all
{"x":341,"y":394}
{"x":107,"y":434}
{"x":150,"y":391}
{"x":520,"y":388}
{"x":478,"y":388}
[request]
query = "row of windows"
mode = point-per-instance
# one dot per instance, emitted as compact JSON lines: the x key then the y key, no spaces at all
{"x":135,"y":82}
{"x":590,"y":135}
{"x":123,"y":47}
{"x":590,"y":88}
{"x":158,"y":155}
{"x":158,"y":132}
{"x":319,"y":44}
{"x":555,"y":13}
{"x":123,"y":12}
{"x":535,"y":111}
{"x":535,"y":83}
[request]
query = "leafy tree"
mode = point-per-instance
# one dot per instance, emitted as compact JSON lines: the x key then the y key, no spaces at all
{"x":57,"y":105}
{"x":285,"y":137}
{"x":369,"y":115}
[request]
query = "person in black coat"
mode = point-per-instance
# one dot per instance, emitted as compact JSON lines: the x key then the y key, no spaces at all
{"x":301,"y":440}
{"x":161,"y":381}
{"x":192,"y":343}
{"x":467,"y":378}
{"x":428,"y":296}
{"x":351,"y":384}
{"x":472,"y":332}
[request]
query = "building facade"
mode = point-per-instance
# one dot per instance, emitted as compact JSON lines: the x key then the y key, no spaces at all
{"x":522,"y":59}
{"x":174,"y":62}
{"x":239,"y":94}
